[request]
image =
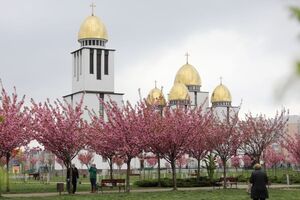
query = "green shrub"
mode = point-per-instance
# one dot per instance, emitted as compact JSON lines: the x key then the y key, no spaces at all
{"x":167,"y":182}
{"x":242,"y":178}
{"x":147,"y":183}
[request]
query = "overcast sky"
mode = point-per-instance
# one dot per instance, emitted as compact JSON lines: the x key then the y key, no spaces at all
{"x":251,"y":44}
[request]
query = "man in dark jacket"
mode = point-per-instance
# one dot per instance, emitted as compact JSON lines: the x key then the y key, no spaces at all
{"x":259,"y":182}
{"x":75,"y":176}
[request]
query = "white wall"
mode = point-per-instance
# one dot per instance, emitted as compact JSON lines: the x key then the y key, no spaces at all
{"x":89,"y":81}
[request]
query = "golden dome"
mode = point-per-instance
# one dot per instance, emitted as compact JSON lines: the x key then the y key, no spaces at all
{"x":179,"y":92}
{"x":221,"y":94}
{"x":92,"y":28}
{"x":188,"y":75}
{"x":156,"y":97}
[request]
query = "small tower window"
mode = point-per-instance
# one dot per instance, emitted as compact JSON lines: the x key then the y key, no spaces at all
{"x":77,"y":65}
{"x":106,"y":62}
{"x":74,"y":64}
{"x":80,"y":61}
{"x":91,"y":61}
{"x":99,"y":64}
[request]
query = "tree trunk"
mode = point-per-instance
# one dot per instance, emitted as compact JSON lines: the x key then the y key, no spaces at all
{"x":70,"y":179}
{"x":158,"y":170}
{"x":128,"y":176}
{"x":7,"y":172}
{"x":110,"y":168}
{"x":174,"y":174}
{"x":198,"y":169}
{"x":224,"y":172}
{"x":257,"y":159}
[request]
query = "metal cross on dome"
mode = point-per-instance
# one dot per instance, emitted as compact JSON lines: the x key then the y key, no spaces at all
{"x":93,"y":5}
{"x":187,"y":57}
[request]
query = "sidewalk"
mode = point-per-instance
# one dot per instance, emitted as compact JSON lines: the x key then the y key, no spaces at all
{"x":242,"y":186}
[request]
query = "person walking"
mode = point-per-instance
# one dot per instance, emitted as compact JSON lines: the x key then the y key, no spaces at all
{"x":259,"y":181}
{"x":93,"y":177}
{"x":75,"y":176}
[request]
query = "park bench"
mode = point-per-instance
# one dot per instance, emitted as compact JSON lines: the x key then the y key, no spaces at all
{"x":193,"y":173}
{"x":120,"y":183}
{"x":229,"y":181}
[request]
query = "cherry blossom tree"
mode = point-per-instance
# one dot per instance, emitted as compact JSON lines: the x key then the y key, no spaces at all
{"x":15,"y":128}
{"x":86,"y":158}
{"x":272,"y":158}
{"x":292,"y":145}
{"x":153,"y":128}
{"x":199,"y":148}
{"x":151,"y":161}
{"x":60,"y":129}
{"x":126,"y":126}
{"x":177,"y":128}
{"x":259,"y":132}
{"x":118,"y":161}
{"x":247,"y":161}
{"x":228,"y":140}
{"x":235,"y":162}
{"x":101,"y":139}
{"x":181,"y":162}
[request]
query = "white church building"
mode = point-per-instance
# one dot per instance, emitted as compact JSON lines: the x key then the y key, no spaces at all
{"x":93,"y":77}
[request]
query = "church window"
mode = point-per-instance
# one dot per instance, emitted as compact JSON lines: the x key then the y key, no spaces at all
{"x":77,"y":65}
{"x":106,"y":62}
{"x":74,"y":64}
{"x":80,"y":61}
{"x":99,"y":64}
{"x":91,"y":61}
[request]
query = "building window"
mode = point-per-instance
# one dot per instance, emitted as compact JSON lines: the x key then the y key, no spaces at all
{"x":91,"y":61}
{"x":99,"y":64}
{"x":77,"y":65}
{"x":93,"y":42}
{"x":106,"y":62}
{"x":74,"y":64}
{"x":90,"y":42}
{"x":97,"y":42}
{"x":80,"y":61}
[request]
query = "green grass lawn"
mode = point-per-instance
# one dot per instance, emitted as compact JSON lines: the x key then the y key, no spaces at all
{"x":229,"y":194}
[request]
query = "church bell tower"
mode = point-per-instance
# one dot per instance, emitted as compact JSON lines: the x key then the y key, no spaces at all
{"x":93,"y":66}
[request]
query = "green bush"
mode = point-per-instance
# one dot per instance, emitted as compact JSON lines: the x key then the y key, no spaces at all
{"x":242,"y":178}
{"x":147,"y":183}
{"x":167,"y":182}
{"x":294,"y":179}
